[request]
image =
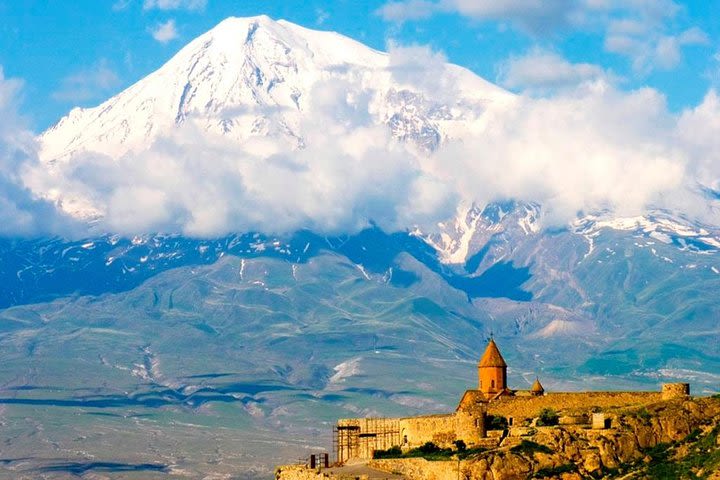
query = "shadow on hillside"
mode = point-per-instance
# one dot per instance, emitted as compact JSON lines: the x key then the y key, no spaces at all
{"x":230,"y":393}
{"x":113,"y":265}
{"x":81,"y":468}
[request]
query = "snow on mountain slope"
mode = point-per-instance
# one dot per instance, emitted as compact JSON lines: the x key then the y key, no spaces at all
{"x":257,"y":77}
{"x":473,"y":227}
{"x":251,"y":78}
{"x":658,"y":226}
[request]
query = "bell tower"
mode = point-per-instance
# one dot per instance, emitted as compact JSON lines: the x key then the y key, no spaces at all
{"x":492,"y":370}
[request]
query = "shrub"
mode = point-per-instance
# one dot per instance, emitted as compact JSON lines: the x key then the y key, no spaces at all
{"x":430,"y":451}
{"x":392,"y":452}
{"x":693,"y":436}
{"x":496,"y":422}
{"x":547,"y":417}
{"x":529,"y":447}
{"x":429,"y":448}
{"x":644,"y":415}
{"x":470,"y":451}
{"x":555,"y":471}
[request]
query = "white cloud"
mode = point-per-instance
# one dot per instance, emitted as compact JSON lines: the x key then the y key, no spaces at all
{"x":698,"y":132}
{"x":650,"y":49}
{"x":321,"y":16}
{"x":91,"y":83}
{"x":585,"y":150}
{"x":401,"y":11}
{"x":647,"y":32}
{"x":421,"y":69}
{"x":165,"y":32}
{"x":21,"y":214}
{"x":541,"y":71}
{"x":120,"y":5}
{"x":585,"y":146}
{"x":534,"y":16}
{"x":351,"y":172}
{"x":174,"y":4}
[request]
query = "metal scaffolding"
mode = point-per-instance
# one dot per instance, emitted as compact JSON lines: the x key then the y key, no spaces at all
{"x":345,"y":442}
{"x":362,"y":437}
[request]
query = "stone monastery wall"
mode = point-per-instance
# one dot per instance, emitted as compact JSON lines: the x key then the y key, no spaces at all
{"x":569,"y":403}
{"x":360,"y":437}
{"x":675,"y":390}
{"x":442,"y":430}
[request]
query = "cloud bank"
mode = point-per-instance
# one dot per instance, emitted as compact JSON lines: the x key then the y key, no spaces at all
{"x":541,"y":71}
{"x":585,"y":148}
{"x":651,"y":34}
{"x":21,"y":213}
{"x":588,"y":150}
{"x":350,"y":172}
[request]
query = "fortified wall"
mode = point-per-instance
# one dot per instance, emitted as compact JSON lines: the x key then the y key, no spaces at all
{"x":358,"y":438}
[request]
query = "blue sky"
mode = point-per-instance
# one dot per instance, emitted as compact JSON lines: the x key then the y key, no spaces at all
{"x":80,"y":53}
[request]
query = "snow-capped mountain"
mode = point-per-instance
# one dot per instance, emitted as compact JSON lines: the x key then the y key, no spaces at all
{"x":258,"y":77}
{"x":251,"y":78}
{"x":261,"y":323}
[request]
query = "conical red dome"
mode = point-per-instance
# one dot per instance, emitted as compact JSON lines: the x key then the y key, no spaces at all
{"x":492,"y":357}
{"x":537,"y":387}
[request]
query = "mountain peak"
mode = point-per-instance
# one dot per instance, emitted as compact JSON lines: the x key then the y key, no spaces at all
{"x":257,"y":77}
{"x":244,"y":29}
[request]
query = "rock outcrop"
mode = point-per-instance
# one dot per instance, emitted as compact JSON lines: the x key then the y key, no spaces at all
{"x":676,"y":439}
{"x":667,"y":439}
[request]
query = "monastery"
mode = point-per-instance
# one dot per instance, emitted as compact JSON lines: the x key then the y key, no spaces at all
{"x":359,"y":438}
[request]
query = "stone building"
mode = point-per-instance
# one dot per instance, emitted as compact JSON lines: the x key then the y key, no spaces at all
{"x":492,"y":372}
{"x":359,"y":438}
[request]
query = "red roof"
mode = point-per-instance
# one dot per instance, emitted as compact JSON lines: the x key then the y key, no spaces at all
{"x":537,"y":386}
{"x":492,"y":357}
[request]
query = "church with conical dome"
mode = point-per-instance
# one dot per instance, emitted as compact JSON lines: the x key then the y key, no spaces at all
{"x":492,"y":381}
{"x":474,"y":421}
{"x":492,"y":371}
{"x":490,"y":417}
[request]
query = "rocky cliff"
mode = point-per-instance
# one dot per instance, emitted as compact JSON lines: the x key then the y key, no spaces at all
{"x":666,"y":440}
{"x":678,"y":439}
